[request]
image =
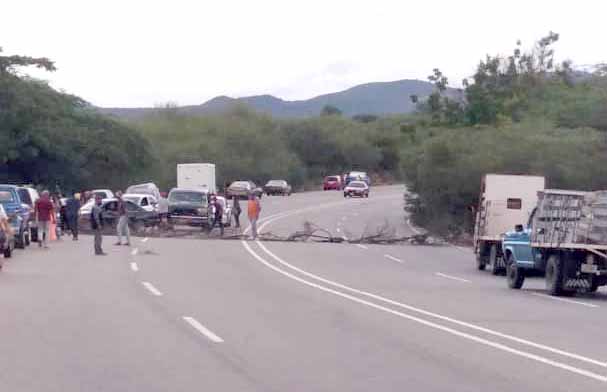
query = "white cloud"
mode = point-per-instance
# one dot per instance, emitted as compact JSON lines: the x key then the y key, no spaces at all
{"x":138,"y":53}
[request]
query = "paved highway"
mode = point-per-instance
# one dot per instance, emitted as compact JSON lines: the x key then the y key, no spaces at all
{"x":231,"y":315}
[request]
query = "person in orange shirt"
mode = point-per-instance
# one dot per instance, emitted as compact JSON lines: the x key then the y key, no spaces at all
{"x":254,"y":209}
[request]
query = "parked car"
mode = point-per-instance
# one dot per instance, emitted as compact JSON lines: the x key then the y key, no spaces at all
{"x":277,"y":187}
{"x":29,"y":196}
{"x":104,"y":193}
{"x":358,"y":176}
{"x":149,"y":188}
{"x":138,"y":217}
{"x":332,"y":183}
{"x":147,"y":202}
{"x":227,"y":211}
{"x":242,"y":189}
{"x":189,"y":207}
{"x":356,"y":188}
{"x":88,"y":206}
{"x":18,"y":214}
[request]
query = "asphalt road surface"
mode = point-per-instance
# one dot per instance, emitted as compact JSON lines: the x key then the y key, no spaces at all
{"x":231,"y":315}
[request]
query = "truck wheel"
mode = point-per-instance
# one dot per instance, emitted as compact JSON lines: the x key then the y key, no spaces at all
{"x":480,"y":262}
{"x":515,"y":275}
{"x":493,"y":258}
{"x":554,"y":275}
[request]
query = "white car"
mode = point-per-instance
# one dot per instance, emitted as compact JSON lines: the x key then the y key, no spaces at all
{"x":104,"y":193}
{"x":356,"y":188}
{"x":88,"y":206}
{"x":147,"y":202}
{"x":227,"y":211}
{"x":149,"y":188}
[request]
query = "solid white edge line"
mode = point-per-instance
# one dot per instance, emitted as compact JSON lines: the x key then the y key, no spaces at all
{"x":151,"y":288}
{"x":393,"y":258}
{"x":362,"y":246}
{"x":436,"y":315}
{"x":134,"y":267}
{"x":134,"y":252}
{"x":430,"y":324}
{"x":202,"y":329}
{"x":569,"y":301}
{"x":451,"y":277}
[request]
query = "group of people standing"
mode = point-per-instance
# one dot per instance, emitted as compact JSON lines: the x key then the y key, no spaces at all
{"x":253,"y":210}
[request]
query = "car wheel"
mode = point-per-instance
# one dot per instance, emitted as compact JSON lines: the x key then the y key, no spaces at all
{"x":8,"y":252}
{"x":345,"y":195}
{"x":27,"y":239}
{"x":20,"y":241}
{"x":555,"y":276}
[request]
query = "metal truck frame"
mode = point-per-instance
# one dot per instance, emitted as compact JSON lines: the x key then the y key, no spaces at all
{"x":556,"y":243}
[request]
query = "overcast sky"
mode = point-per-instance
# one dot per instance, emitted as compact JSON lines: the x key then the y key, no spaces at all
{"x":141,"y":53}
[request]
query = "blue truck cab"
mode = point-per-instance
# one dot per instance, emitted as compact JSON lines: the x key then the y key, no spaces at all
{"x":520,"y":257}
{"x":18,"y":214}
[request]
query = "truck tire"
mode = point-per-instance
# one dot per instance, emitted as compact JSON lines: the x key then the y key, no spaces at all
{"x":514,"y":274}
{"x":554,"y":276}
{"x":480,"y":262}
{"x":495,"y":269}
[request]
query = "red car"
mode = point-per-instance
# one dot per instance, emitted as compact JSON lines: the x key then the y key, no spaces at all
{"x":332,"y":183}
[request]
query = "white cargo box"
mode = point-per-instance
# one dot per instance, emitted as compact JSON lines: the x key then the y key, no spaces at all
{"x":196,"y":175}
{"x":505,"y":201}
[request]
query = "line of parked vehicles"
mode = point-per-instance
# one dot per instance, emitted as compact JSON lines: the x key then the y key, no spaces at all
{"x":523,"y":229}
{"x":147,"y":207}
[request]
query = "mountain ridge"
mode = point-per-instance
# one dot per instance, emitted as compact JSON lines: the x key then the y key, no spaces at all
{"x":374,"y":98}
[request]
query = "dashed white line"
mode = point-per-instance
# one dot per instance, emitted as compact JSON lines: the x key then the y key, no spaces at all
{"x":134,"y":267}
{"x":570,"y":301}
{"x":345,"y":218}
{"x":151,"y":288}
{"x":202,"y":329}
{"x":134,"y":252}
{"x":451,"y":277}
{"x":393,"y":258}
{"x":469,"y":336}
{"x":338,"y":230}
{"x":362,"y":246}
{"x":145,"y":239}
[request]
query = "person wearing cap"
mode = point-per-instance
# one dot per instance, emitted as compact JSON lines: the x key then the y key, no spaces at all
{"x":72,"y":207}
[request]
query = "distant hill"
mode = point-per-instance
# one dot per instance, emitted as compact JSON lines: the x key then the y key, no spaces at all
{"x":372,"y":98}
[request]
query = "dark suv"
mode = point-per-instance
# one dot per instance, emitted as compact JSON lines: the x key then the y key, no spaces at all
{"x":18,"y":214}
{"x":189,"y":207}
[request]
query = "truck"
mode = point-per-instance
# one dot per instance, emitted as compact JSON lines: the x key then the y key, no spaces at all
{"x":565,"y":240}
{"x":505,"y":201}
{"x":196,"y":176}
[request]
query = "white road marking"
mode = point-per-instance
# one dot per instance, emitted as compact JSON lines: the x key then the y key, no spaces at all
{"x":432,"y":314}
{"x":362,"y":246}
{"x":134,"y":267}
{"x":467,"y":250}
{"x":569,"y":301}
{"x":338,"y":230}
{"x":134,"y":252}
{"x":427,"y":323}
{"x":145,"y":239}
{"x":151,"y":288}
{"x":202,"y":329}
{"x":393,"y":258}
{"x":451,"y":277}
{"x":344,"y":218}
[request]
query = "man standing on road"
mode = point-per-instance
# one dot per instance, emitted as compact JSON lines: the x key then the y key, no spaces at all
{"x":236,"y":210}
{"x":71,"y":213}
{"x":44,"y":210}
{"x":123,"y":221}
{"x":217,"y":215}
{"x":254,"y":209}
{"x":97,"y":225}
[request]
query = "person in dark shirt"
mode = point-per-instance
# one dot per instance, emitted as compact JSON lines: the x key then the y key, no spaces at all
{"x":236,"y":210}
{"x":44,"y":210}
{"x":97,"y":225}
{"x":71,"y":213}
{"x":217,"y":214}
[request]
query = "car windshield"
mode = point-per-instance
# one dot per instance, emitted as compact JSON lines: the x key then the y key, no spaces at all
{"x":133,"y":199}
{"x":357,"y":185}
{"x":332,"y":178}
{"x":240,"y":184}
{"x":25,"y":196}
{"x":276,"y":183}
{"x":6,"y":196}
{"x":187,"y":197}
